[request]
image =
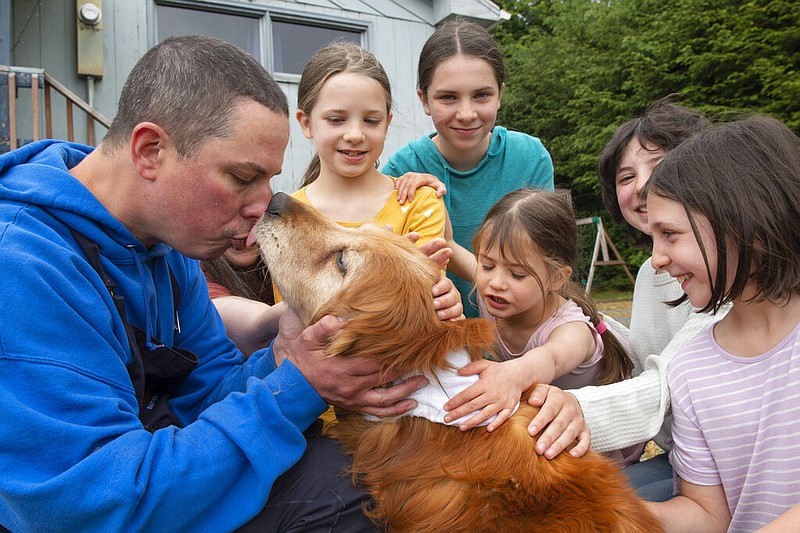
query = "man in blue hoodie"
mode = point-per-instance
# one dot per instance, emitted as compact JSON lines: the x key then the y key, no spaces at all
{"x":100,"y":280}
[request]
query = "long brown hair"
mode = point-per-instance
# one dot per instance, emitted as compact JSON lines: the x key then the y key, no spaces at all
{"x":238,"y":281}
{"x":744,"y":177}
{"x":530,"y":218}
{"x":336,"y":58}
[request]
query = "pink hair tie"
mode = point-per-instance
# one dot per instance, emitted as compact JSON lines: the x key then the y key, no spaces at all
{"x":601,"y":327}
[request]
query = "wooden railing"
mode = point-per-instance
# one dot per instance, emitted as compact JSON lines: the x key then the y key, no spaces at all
{"x":14,"y":78}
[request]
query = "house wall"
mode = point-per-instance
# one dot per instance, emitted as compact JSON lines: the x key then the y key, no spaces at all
{"x":44,"y":36}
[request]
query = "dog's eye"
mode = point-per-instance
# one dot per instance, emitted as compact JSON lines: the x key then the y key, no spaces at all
{"x":340,"y":262}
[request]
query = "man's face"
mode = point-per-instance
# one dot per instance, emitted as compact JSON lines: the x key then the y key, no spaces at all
{"x":210,"y":200}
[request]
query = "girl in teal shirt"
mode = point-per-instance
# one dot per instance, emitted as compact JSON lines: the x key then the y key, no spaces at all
{"x":461,"y":77}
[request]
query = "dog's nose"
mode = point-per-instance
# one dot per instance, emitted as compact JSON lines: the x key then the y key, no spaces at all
{"x":278,"y":204}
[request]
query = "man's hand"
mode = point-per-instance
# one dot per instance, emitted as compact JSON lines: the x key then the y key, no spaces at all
{"x":353,"y":383}
{"x":561,"y":414}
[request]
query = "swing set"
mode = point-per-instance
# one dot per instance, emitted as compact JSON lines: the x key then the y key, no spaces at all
{"x":602,"y":243}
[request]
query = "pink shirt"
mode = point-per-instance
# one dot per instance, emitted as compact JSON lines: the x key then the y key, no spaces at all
{"x":585,"y":373}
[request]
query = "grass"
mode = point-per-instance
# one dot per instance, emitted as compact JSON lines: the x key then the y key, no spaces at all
{"x":611,"y":295}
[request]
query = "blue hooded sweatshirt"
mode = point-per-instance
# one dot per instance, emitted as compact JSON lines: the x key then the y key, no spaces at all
{"x":73,"y":453}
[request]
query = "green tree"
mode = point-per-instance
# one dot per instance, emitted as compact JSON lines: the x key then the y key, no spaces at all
{"x":579,"y":68}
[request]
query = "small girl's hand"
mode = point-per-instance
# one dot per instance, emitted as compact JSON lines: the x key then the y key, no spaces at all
{"x":497,"y":392}
{"x":408,"y":183}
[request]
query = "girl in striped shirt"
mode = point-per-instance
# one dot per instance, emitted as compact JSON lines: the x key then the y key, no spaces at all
{"x":724,"y":211}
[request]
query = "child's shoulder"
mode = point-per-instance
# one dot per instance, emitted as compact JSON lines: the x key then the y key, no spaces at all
{"x":301,"y":195}
{"x":696,"y":352}
{"x":523,"y":151}
{"x":424,"y":198}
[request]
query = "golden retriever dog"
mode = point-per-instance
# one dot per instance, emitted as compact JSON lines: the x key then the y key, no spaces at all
{"x":426,"y":476}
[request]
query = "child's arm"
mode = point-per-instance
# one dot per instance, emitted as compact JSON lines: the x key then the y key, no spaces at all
{"x":408,"y":183}
{"x":699,"y":509}
{"x":788,"y":521}
{"x":463,"y":262}
{"x":446,"y":298}
{"x":500,"y":386}
{"x":250,"y":324}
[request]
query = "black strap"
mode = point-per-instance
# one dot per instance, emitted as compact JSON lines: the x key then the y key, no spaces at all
{"x":154,"y":373}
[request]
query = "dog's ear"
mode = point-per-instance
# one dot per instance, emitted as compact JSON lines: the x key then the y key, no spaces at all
{"x":391,"y":318}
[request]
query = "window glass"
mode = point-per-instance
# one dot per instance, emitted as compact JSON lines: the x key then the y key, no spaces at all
{"x":240,"y":30}
{"x":293,"y":43}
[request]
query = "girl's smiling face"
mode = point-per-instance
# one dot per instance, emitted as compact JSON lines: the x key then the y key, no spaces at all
{"x":348,"y":124}
{"x":677,"y":251}
{"x":635,"y":167}
{"x":462,"y":100}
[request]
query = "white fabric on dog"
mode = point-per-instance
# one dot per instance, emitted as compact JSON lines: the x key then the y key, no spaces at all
{"x":442,"y":386}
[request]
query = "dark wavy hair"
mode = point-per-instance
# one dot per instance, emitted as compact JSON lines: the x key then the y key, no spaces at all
{"x":744,"y":177}
{"x":664,"y":125}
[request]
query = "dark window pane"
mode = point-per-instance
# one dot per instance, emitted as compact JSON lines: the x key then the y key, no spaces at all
{"x":293,"y":44}
{"x":236,"y":29}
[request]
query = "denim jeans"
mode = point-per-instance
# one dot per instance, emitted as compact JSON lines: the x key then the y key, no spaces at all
{"x":652,"y":479}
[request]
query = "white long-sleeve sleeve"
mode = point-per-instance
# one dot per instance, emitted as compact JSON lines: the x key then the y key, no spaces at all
{"x":637,"y":409}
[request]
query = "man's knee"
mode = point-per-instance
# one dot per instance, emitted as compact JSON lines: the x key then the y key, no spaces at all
{"x":315,"y":495}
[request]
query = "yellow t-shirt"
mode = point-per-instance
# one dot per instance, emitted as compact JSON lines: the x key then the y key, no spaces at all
{"x":424,"y":215}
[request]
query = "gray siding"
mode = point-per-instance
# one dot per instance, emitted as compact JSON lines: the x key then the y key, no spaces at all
{"x":45,"y":32}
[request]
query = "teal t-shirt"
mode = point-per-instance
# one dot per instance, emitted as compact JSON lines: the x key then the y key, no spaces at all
{"x":514,"y":160}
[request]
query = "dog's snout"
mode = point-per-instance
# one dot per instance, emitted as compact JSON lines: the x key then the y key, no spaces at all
{"x":278,"y":204}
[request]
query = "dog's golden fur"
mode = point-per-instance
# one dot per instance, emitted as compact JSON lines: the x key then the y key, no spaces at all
{"x":424,"y":476}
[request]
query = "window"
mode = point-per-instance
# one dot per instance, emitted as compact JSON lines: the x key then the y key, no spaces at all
{"x":243,"y":30}
{"x":294,"y":35}
{"x":294,"y":42}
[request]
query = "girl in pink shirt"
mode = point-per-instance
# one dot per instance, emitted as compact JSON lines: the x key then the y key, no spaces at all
{"x":549,"y":331}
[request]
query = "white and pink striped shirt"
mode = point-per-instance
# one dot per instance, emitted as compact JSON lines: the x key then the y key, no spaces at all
{"x":736,"y":422}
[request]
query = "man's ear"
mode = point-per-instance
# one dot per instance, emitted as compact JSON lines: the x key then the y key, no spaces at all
{"x":148,"y":141}
{"x":304,"y":121}
{"x":424,"y":100}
